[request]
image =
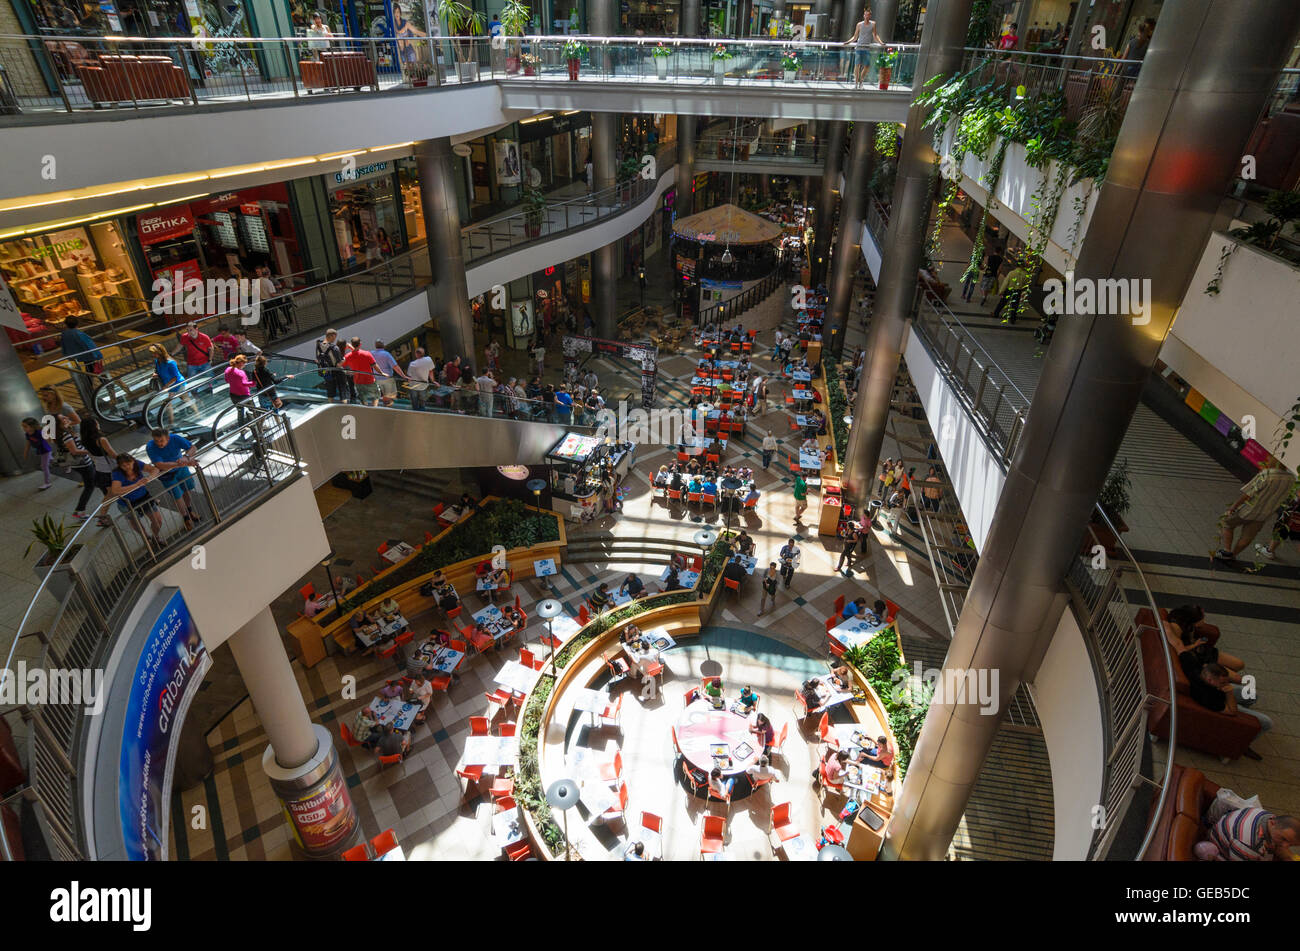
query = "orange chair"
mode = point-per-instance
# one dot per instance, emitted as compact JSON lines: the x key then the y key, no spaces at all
{"x":500,"y":698}
{"x":733,"y":584}
{"x":756,"y":784}
{"x":652,"y":823}
{"x":725,"y":798}
{"x":507,"y":729}
{"x":837,"y":649}
{"x":472,"y":776}
{"x":385,"y":842}
{"x":676,"y":746}
{"x":405,"y":637}
{"x":781,"y":824}
{"x":361,"y":579}
{"x":693,"y":498}
{"x":383,"y":547}
{"x":691,"y":780}
{"x":614,"y":711}
{"x":358,"y":853}
{"x":692,"y":695}
{"x":618,"y":810}
{"x":697,"y":563}
{"x":389,"y":651}
{"x":453,"y":613}
{"x":713,"y":457}
{"x":827,"y":785}
{"x":683,"y":458}
{"x":386,"y":761}
{"x":800,"y":705}
{"x":519,"y":851}
{"x":583,"y":614}
{"x":794,"y":466}
{"x":713,"y":834}
{"x":503,"y":787}
{"x":437,"y":510}
{"x":482,"y":642}
{"x":308,"y":591}
{"x":617,"y":667}
{"x":779,"y":745}
{"x":708,"y":498}
{"x":839,"y":605}
{"x":348,"y":736}
{"x":825,"y":733}
{"x":478,"y":726}
{"x":527,"y":659}
{"x":750,"y":503}
{"x":655,"y":669}
{"x":891,"y":610}
{"x":674,"y":495}
{"x":428,"y":537}
{"x":613,"y":770}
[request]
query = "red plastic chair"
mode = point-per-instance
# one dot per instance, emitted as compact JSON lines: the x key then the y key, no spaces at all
{"x":781,"y":824}
{"x":428,"y":537}
{"x":674,"y":495}
{"x":691,"y":781}
{"x":358,"y":853}
{"x":614,"y":711}
{"x":839,"y":605}
{"x":831,"y":622}
{"x":502,"y":789}
{"x":383,"y":547}
{"x":527,"y":659}
{"x":733,"y":584}
{"x":712,"y":457}
{"x":692,"y":695}
{"x":453,"y":613}
{"x":779,"y":745}
{"x":683,"y":457}
{"x":519,"y":851}
{"x":385,"y":842}
{"x":349,"y":737}
{"x":713,"y":834}
{"x":824,"y":731}
{"x":472,"y":776}
{"x":479,"y":726}
{"x":714,"y":797}
{"x":507,"y":729}
{"x":697,"y":563}
{"x":386,"y":761}
{"x":405,"y":637}
{"x":891,"y":610}
{"x":750,"y":504}
{"x":611,"y":772}
{"x":437,"y":510}
{"x":583,"y":614}
{"x":618,"y":810}
{"x":693,"y":498}
{"x":308,"y":591}
{"x":837,"y":649}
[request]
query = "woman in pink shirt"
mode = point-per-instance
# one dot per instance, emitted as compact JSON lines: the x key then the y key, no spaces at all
{"x":240,"y":385}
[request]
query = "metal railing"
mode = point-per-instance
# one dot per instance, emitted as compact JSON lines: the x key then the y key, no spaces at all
{"x":93,"y":583}
{"x":1088,"y":84}
{"x":996,"y":404}
{"x":877,"y":221}
{"x":734,"y":308}
{"x":1109,"y":624}
{"x":76,"y":74}
{"x":729,"y":148}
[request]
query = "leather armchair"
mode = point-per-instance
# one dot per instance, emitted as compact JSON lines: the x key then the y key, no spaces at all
{"x":1182,"y":822}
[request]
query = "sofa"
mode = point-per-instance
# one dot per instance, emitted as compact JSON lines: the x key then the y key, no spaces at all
{"x":1181,"y":824}
{"x":1225,"y":735}
{"x":337,"y":69}
{"x":125,"y":78}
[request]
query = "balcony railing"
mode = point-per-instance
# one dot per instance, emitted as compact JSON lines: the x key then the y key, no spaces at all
{"x":1089,"y":84}
{"x":728,"y":148}
{"x":72,"y":74}
{"x":92,"y":585}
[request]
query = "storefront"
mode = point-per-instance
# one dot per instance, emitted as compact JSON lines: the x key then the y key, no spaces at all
{"x":228,"y":235}
{"x":83,"y":271}
{"x":367,"y":219}
{"x":585,"y":471}
{"x":554,"y":149}
{"x":408,"y":184}
{"x":546,"y":152}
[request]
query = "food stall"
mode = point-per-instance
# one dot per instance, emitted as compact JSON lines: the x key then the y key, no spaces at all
{"x":585,"y":473}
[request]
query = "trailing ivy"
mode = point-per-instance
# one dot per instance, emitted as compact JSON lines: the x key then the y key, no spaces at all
{"x":887,"y":139}
{"x":981,"y":26}
{"x":992,"y":177}
{"x":1044,"y":203}
{"x":839,"y":408}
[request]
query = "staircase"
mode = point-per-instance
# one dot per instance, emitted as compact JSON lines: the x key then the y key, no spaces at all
{"x":429,"y":485}
{"x":624,"y":552}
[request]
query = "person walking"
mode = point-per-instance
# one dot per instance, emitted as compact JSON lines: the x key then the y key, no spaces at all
{"x":539,"y":357}
{"x":80,"y":462}
{"x":196,"y":348}
{"x":769,"y":582}
{"x":992,"y":264}
{"x":103,"y":459}
{"x":769,"y":447}
{"x":886,"y":478}
{"x":800,"y":496}
{"x":789,"y":557}
{"x":329,"y":357}
{"x":849,"y":538}
{"x":1259,"y":501}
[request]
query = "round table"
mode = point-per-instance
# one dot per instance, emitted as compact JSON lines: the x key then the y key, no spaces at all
{"x":700,"y":726}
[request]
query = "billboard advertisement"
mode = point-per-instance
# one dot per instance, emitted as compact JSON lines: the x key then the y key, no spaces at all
{"x":172,"y":663}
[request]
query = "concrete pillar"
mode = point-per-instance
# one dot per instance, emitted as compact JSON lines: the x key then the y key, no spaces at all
{"x":833,"y":142}
{"x":17,"y":402}
{"x":449,"y":295}
{"x":848,"y":244}
{"x":604,"y":296}
{"x":689,"y":23}
{"x":1178,"y":150}
{"x":940,"y":54}
{"x":1022,"y":21}
{"x":685,"y":204}
{"x":300,"y":761}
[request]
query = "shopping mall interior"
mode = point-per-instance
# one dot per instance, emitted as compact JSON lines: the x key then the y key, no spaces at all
{"x":536,"y":432}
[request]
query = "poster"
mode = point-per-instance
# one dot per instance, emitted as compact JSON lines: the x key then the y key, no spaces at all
{"x":411,"y":44}
{"x":172,"y":663}
{"x":521,"y":319}
{"x":507,"y":162}
{"x":68,"y":248}
{"x":322,"y":819}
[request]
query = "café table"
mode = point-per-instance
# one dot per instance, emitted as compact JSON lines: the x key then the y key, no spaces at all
{"x":586,"y":700}
{"x":453,"y":514}
{"x":446,"y":660}
{"x":490,"y":751}
{"x":830,"y":696}
{"x":800,"y":849}
{"x":400,"y":714}
{"x":702,"y":730}
{"x":688,"y":578}
{"x":702,"y":381}
{"x":563,"y":627}
{"x":620,"y":598}
{"x":659,"y":639}
{"x":801,"y":376}
{"x":387,"y":628}
{"x":516,"y":677}
{"x":507,"y":827}
{"x":748,"y":562}
{"x":397,"y":551}
{"x":856,"y":631}
{"x":810,"y":459}
{"x":800,"y":393}
{"x":545,"y":567}
{"x":597,"y":797}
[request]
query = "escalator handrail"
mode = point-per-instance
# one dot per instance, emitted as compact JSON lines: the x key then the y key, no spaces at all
{"x":216,"y":370}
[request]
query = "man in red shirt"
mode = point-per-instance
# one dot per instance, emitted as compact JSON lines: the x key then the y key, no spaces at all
{"x":196,"y":348}
{"x":363,"y":366}
{"x":453,"y":371}
{"x":1009,"y":40}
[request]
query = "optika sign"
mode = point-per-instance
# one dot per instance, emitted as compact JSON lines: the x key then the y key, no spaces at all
{"x":76,"y":904}
{"x":197,"y":298}
{"x":29,"y":687}
{"x":1109,"y":297}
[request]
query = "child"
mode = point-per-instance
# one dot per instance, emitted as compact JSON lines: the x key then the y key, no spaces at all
{"x":36,"y":441}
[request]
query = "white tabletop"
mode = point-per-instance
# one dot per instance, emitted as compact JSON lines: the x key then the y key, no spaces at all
{"x":688,"y":577}
{"x":508,"y":827}
{"x":399,"y":714}
{"x":452,"y":513}
{"x":444,"y":659}
{"x":800,"y":849}
{"x":492,"y":751}
{"x":397,"y":552}
{"x":855,"y":631}
{"x":544,"y":567}
{"x":487,"y":614}
{"x":620,"y":598}
{"x":590,"y":701}
{"x":660,"y":638}
{"x":810,"y":460}
{"x":516,"y":676}
{"x":395,"y":854}
{"x":597,"y":797}
{"x":801,"y":376}
{"x":801,"y":394}
{"x":564,"y":626}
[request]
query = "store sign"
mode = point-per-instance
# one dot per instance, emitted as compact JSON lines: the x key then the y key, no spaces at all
{"x":167,"y":676}
{"x":463,"y":150}
{"x":361,"y":173}
{"x":9,"y":314}
{"x":165,"y":225}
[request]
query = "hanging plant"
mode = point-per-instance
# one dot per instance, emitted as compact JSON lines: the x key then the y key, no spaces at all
{"x":980,"y":30}
{"x":887,"y":139}
{"x":1076,"y":227}
{"x":991,"y":179}
{"x":1045,"y":203}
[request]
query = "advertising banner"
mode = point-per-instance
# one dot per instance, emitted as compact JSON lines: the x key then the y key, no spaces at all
{"x":507,"y":162}
{"x":171,"y":668}
{"x":322,"y":817}
{"x":166,"y":224}
{"x":646,"y":356}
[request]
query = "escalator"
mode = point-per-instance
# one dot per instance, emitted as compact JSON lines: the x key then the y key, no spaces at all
{"x":123,"y":399}
{"x":456,"y":427}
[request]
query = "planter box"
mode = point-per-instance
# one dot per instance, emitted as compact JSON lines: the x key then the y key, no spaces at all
{"x":467,"y":72}
{"x":885,"y":73}
{"x":790,"y":74}
{"x":719,"y":70}
{"x":573,"y":65}
{"x":661,"y":66}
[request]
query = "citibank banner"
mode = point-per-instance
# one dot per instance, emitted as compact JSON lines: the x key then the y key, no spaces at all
{"x":171,"y":668}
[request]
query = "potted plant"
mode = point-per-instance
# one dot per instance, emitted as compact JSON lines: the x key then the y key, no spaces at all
{"x":790,"y":63}
{"x":1114,"y":501}
{"x":534,"y":210}
{"x":515,"y":17}
{"x":573,"y":53}
{"x":417,"y":73}
{"x":661,"y":54}
{"x":888,"y":60}
{"x":463,"y":23}
{"x":54,"y":537}
{"x":530,"y":63}
{"x":720,"y":56}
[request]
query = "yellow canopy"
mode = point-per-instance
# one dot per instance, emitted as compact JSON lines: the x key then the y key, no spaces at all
{"x":727,"y":224}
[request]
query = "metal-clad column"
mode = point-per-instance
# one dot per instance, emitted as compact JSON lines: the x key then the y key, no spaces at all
{"x":604,"y":260}
{"x":833,"y":140}
{"x":688,"y":24}
{"x":1211,"y":67}
{"x":433,"y":160}
{"x":940,"y":54}
{"x":17,"y":402}
{"x":848,"y":247}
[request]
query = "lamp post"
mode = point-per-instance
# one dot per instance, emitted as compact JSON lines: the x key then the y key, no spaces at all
{"x":563,"y":795}
{"x":325,"y":563}
{"x":548,"y":610}
{"x":831,"y":852}
{"x":704,"y":540}
{"x":641,"y":279}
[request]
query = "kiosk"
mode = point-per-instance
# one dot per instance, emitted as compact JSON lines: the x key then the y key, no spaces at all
{"x":585,"y":473}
